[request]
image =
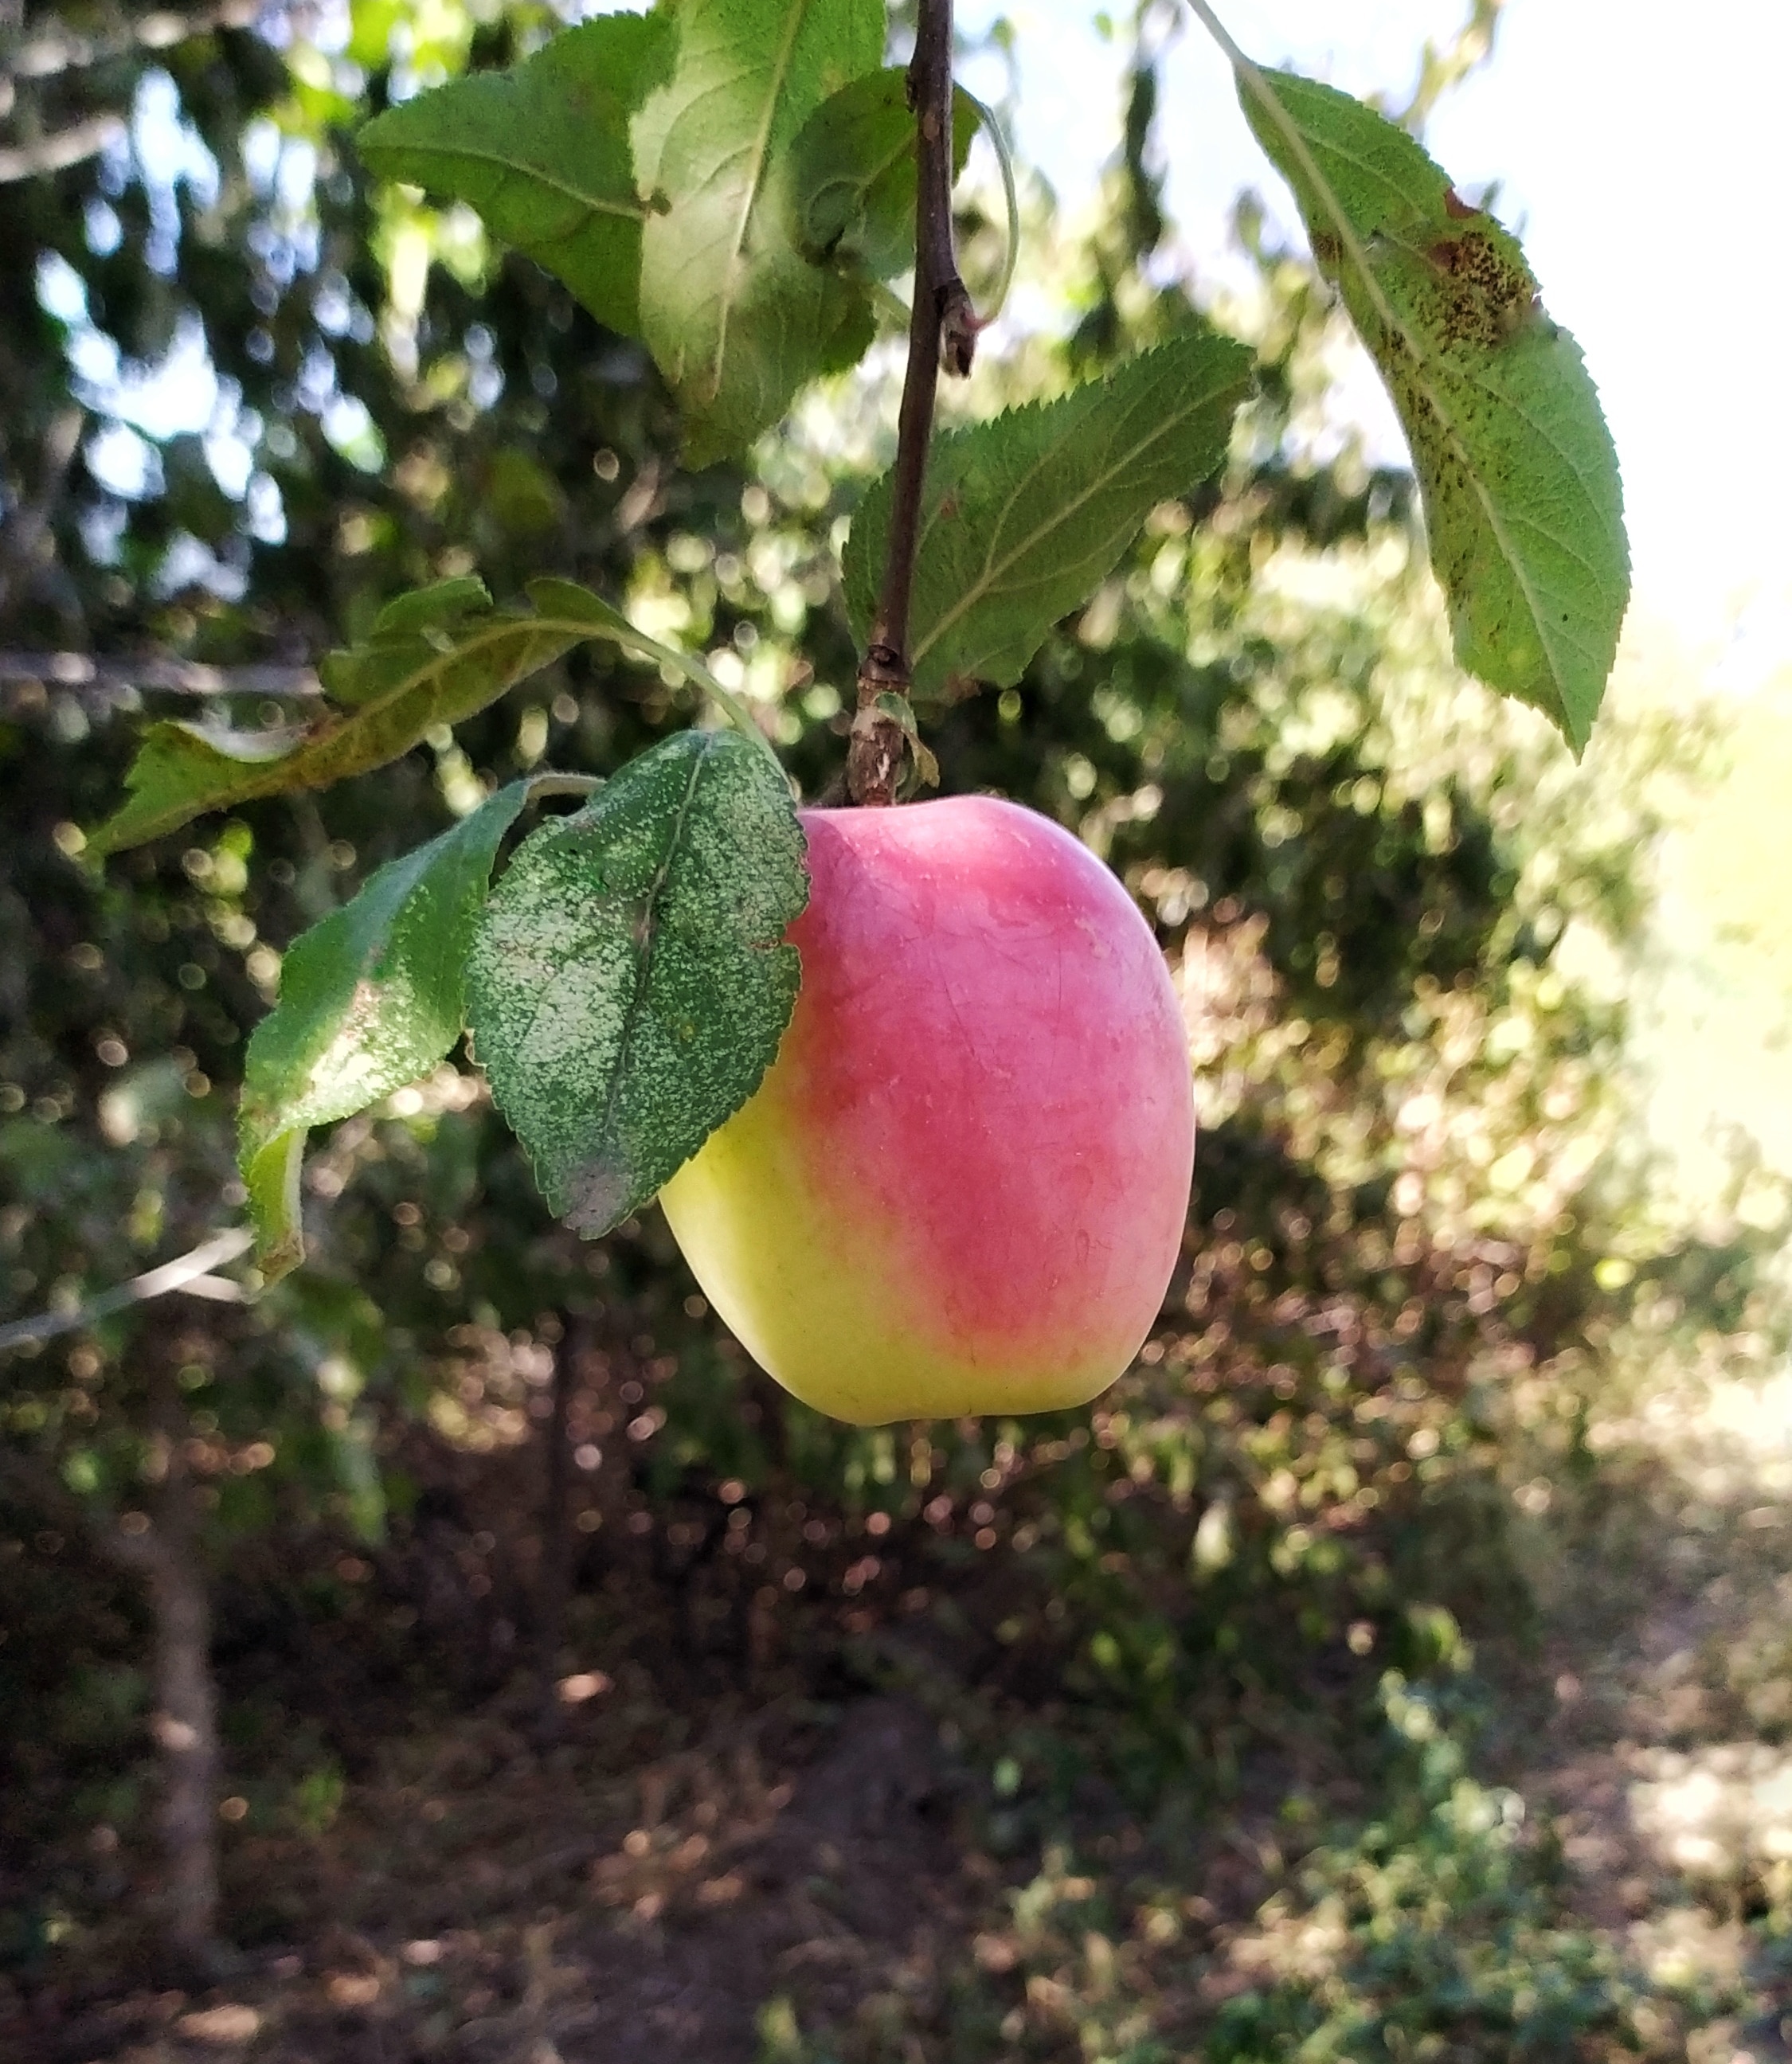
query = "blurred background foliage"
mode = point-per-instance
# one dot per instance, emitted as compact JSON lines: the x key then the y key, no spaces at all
{"x":490,"y":1516}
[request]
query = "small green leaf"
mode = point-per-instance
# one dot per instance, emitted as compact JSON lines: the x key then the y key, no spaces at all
{"x":1027,"y":515}
{"x":736,"y":316}
{"x":853,"y":174}
{"x":1522,"y":501}
{"x":628,"y":984}
{"x":543,"y":152}
{"x":369,"y":999}
{"x":408,"y":629}
{"x":431,"y":659}
{"x":442,"y":603}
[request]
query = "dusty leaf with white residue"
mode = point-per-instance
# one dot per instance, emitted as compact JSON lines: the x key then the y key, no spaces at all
{"x":370,"y":998}
{"x":629,"y":983}
{"x":1522,"y":502}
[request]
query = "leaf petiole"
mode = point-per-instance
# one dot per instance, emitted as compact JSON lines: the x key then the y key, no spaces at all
{"x":576,"y":608}
{"x":1004,"y":158}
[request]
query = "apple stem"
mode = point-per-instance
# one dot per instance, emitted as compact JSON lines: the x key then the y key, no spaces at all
{"x":942,"y":330}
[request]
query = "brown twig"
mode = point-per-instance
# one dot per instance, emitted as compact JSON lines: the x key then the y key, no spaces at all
{"x":942,"y":328}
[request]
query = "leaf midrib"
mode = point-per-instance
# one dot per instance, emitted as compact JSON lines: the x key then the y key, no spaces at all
{"x":760,"y":153}
{"x":273,"y":777}
{"x":633,"y":210}
{"x":638,"y":998}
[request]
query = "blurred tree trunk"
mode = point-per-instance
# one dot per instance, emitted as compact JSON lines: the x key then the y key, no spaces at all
{"x":162,"y":1548}
{"x":553,"y":1570}
{"x":185,"y":1721}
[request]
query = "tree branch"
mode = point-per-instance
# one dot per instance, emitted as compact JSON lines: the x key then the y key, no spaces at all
{"x":942,"y":328}
{"x":180,"y":677}
{"x":24,"y":532}
{"x":185,"y":1721}
{"x":60,"y":150}
{"x":47,"y":56}
{"x":186,"y":1273}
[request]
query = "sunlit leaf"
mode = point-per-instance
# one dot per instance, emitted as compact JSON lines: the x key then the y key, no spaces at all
{"x":853,"y":174}
{"x":1026,"y":515}
{"x":628,"y":984}
{"x":735,"y":315}
{"x":543,"y":152}
{"x":1523,"y":499}
{"x":370,"y":999}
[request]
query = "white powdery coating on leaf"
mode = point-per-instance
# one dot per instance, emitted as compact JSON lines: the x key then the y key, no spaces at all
{"x":628,"y":987}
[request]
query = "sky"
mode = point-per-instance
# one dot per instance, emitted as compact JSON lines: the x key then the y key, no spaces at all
{"x":1638,"y":153}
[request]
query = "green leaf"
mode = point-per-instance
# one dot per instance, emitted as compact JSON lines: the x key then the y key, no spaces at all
{"x":1522,"y":501}
{"x":543,"y":152}
{"x":853,"y":174}
{"x":435,"y":657}
{"x":369,"y":999}
{"x":628,"y":984}
{"x":736,"y":316}
{"x":1025,"y":516}
{"x":441,"y":603}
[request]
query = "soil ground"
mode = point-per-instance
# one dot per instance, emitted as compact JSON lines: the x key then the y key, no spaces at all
{"x":702,"y":1861}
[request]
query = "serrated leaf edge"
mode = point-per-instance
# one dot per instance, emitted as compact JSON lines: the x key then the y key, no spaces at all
{"x":992,"y":572}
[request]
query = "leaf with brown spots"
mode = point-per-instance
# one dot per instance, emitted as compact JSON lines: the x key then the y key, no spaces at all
{"x":1523,"y":499}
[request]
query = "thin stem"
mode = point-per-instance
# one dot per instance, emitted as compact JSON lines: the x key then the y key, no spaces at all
{"x":181,"y":1274}
{"x":730,"y":705}
{"x":48,"y":56}
{"x":943,"y":327}
{"x":56,"y":152}
{"x":179,"y":677}
{"x":1004,"y":158}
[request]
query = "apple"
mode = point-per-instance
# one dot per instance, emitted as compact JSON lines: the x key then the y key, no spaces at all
{"x":961,"y":1187}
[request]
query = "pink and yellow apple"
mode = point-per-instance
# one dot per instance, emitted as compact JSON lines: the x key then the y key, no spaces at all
{"x":961,"y":1187}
